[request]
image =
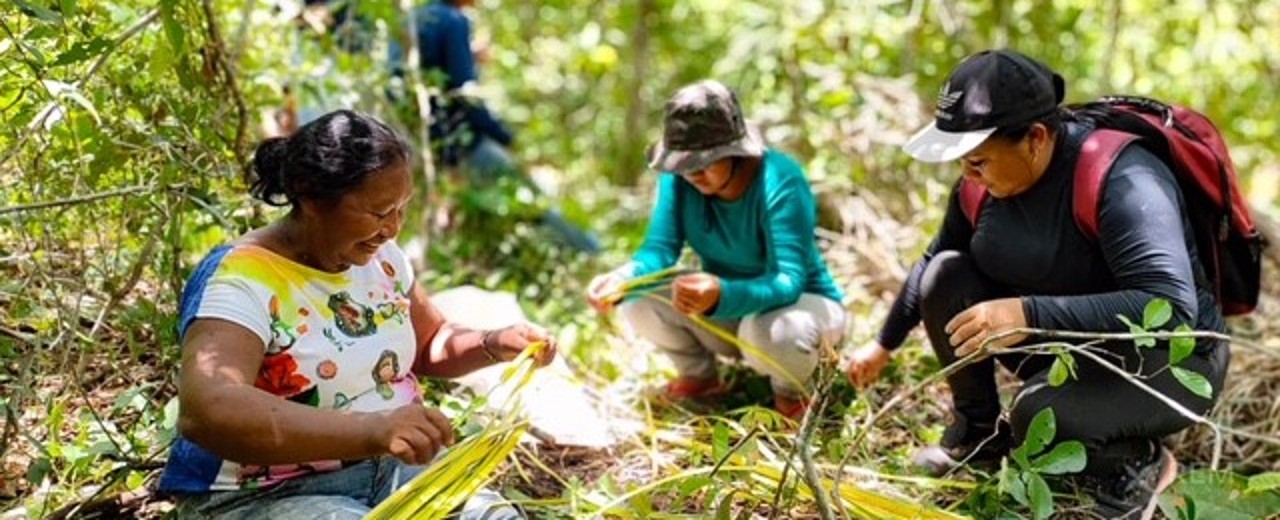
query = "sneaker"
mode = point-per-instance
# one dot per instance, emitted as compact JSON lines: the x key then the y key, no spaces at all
{"x":791,"y":408}
{"x":1132,"y":494}
{"x":979,"y":445}
{"x":683,"y":388}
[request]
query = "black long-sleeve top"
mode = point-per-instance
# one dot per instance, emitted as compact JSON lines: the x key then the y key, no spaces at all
{"x":1030,"y":244}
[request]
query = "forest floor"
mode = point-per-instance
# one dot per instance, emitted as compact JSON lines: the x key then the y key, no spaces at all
{"x":91,"y":427}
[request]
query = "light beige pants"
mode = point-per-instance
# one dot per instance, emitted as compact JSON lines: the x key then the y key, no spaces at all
{"x":788,"y":339}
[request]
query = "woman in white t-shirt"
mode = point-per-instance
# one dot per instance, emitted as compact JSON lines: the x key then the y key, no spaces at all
{"x":303,"y":342}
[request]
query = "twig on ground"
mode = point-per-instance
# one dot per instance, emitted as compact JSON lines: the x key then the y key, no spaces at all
{"x":808,"y":425}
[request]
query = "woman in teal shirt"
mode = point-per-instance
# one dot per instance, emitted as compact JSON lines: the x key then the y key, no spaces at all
{"x":747,"y":211}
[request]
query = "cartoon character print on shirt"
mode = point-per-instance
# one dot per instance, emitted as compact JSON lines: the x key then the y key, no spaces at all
{"x":390,"y":271}
{"x":354,"y":319}
{"x":393,"y":310}
{"x":279,"y":374}
{"x":385,"y":373}
{"x":282,"y":335}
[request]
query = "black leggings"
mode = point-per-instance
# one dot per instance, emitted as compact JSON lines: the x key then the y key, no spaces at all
{"x":1114,"y":419}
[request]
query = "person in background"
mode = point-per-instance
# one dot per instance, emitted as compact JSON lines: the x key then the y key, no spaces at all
{"x":1025,"y":263}
{"x":748,"y":213}
{"x":464,"y":132}
{"x":303,"y":342}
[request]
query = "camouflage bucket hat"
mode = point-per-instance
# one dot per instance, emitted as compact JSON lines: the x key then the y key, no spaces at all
{"x":703,"y":124}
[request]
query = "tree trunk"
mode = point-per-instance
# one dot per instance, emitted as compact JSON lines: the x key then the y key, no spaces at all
{"x":631,"y":163}
{"x":1113,"y":38}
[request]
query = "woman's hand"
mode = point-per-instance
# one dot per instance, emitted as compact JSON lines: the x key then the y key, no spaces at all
{"x":867,"y":362}
{"x":508,"y":342}
{"x":974,"y":325}
{"x":600,"y":292}
{"x":412,"y":433}
{"x":695,"y":293}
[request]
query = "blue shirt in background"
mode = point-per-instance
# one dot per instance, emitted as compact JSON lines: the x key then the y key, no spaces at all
{"x":444,"y":47}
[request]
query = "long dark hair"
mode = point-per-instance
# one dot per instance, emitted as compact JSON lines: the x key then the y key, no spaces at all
{"x":324,"y":159}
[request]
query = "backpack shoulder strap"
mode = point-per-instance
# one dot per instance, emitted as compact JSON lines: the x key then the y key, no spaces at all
{"x":972,"y":195}
{"x":1097,"y":154}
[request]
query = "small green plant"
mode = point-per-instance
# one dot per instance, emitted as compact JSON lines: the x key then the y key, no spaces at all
{"x":1024,"y":480}
{"x":1155,"y":315}
{"x":1222,"y":495}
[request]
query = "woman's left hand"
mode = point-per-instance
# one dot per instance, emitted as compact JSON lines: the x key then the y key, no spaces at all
{"x":512,"y":340}
{"x":974,"y":325}
{"x":695,"y":293}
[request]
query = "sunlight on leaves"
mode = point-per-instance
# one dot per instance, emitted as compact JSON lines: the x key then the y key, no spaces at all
{"x":1156,"y":314}
{"x":1194,"y":382}
{"x":1181,"y":346}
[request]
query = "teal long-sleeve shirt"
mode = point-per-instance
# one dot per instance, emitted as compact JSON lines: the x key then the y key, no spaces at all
{"x":761,"y":245}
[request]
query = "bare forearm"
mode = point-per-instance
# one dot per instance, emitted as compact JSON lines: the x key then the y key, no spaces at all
{"x":246,"y":425}
{"x":455,"y":352}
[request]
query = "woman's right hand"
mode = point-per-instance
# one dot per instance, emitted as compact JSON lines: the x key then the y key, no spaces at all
{"x":412,"y":433}
{"x":602,"y":288}
{"x":867,"y":362}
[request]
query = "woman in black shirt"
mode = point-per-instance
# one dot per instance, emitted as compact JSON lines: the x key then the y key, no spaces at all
{"x":1022,"y":261}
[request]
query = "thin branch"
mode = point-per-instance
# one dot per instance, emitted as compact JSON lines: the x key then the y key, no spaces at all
{"x":18,"y":335}
{"x":809,"y":424}
{"x":1168,"y":401}
{"x":15,"y":403}
{"x":74,"y":201}
{"x":959,"y":364}
{"x":733,"y":449}
{"x":422,"y":102}
{"x":219,"y":53}
{"x":984,"y":351}
{"x":1110,"y":336}
{"x":1124,"y":336}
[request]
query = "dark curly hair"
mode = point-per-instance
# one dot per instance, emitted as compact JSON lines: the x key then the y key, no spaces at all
{"x":324,"y":159}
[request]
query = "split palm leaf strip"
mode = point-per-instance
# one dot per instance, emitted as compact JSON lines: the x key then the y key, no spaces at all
{"x":648,"y":286}
{"x":859,"y":502}
{"x":742,"y":345}
{"x":648,"y":283}
{"x":465,"y":468}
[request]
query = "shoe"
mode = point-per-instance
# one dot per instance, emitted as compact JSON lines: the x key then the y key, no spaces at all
{"x":978,"y":445}
{"x":791,"y":408}
{"x":683,"y":388}
{"x":1132,"y":493}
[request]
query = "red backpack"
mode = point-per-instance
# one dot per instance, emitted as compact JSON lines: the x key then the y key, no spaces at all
{"x":1228,"y":243}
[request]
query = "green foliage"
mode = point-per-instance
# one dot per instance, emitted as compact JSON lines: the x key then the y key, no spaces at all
{"x":1157,"y":314}
{"x":1182,"y":346}
{"x":1063,"y":367}
{"x":123,"y":128}
{"x":1194,"y":382}
{"x":1025,"y":481}
{"x":1217,"y":495}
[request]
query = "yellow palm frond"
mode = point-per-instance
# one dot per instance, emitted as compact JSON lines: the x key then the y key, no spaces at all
{"x":466,"y":467}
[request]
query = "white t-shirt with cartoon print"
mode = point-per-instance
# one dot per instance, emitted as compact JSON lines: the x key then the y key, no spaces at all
{"x":340,"y":341}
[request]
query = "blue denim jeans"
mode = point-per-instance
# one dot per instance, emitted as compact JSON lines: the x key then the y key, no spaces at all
{"x":490,"y":161}
{"x":349,"y":493}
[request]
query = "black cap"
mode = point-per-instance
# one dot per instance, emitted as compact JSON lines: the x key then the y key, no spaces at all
{"x":987,"y":91}
{"x":703,"y":124}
